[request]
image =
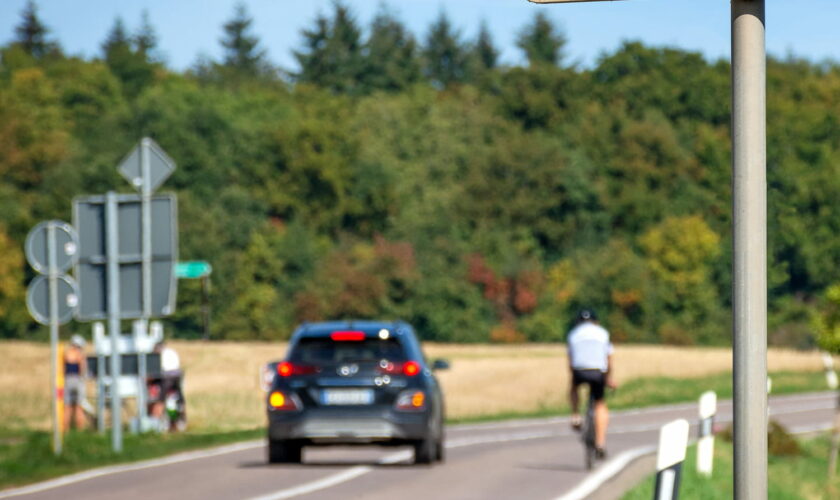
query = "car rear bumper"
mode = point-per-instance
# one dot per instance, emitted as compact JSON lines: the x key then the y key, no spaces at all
{"x":329,"y":426}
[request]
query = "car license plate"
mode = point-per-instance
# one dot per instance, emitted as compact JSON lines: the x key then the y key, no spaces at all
{"x":347,"y":396}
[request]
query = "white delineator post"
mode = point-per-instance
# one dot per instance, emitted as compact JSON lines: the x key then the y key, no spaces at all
{"x":830,"y":374}
{"x":706,"y":439}
{"x":673,"y":440}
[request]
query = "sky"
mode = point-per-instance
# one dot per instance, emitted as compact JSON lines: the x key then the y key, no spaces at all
{"x":189,"y":28}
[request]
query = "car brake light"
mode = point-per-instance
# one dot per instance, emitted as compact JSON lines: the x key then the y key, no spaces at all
{"x":279,"y":401}
{"x":411,"y":368}
{"x":287,"y":369}
{"x":411,"y":401}
{"x":351,"y":336}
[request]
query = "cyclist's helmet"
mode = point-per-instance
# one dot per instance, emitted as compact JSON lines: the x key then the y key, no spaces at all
{"x":586,"y":315}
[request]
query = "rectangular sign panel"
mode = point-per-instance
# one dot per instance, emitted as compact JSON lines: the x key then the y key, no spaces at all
{"x":129,"y":365}
{"x":91,"y":269}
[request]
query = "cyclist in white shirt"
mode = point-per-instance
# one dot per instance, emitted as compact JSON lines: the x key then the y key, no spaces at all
{"x":590,"y":362}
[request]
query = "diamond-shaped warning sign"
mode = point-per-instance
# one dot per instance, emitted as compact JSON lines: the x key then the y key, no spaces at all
{"x":160,"y":166}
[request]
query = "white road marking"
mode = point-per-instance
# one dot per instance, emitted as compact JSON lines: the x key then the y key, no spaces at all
{"x":605,"y":472}
{"x":116,"y":469}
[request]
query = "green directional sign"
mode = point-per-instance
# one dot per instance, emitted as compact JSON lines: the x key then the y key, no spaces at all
{"x":193,"y":269}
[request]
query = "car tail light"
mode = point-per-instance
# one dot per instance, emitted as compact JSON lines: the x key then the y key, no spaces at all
{"x":348,"y":336}
{"x":411,"y":401}
{"x":409,"y":368}
{"x":278,"y":400}
{"x":287,"y":369}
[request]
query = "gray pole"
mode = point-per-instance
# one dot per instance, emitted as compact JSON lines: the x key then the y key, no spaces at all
{"x":205,"y":305}
{"x":52,"y":274}
{"x":112,"y":256}
{"x":146,"y":193}
{"x":749,"y":198}
{"x":100,"y":384}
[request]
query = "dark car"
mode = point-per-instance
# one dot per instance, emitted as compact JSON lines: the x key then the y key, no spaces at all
{"x":355,"y":382}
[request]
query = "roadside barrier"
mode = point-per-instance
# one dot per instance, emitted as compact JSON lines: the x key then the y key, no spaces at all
{"x":706,"y":438}
{"x":673,"y":439}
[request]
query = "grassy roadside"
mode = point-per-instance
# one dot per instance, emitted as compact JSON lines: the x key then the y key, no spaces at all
{"x":652,"y":391}
{"x":797,"y":477}
{"x":26,"y":457}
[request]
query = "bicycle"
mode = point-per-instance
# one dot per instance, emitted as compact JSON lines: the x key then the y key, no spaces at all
{"x":587,"y":433}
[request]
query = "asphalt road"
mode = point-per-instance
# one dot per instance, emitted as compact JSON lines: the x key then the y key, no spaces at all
{"x":536,"y":458}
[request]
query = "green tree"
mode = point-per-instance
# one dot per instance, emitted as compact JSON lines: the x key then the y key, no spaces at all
{"x":827,"y":321}
{"x":129,"y":63}
{"x":390,"y":54}
{"x":485,"y":50}
{"x":542,"y":42}
{"x":242,"y":53}
{"x":483,"y":56}
{"x":146,"y":39}
{"x":679,"y":252}
{"x":332,"y":54}
{"x":445,"y":55}
{"x":12,"y":292}
{"x":32,"y":34}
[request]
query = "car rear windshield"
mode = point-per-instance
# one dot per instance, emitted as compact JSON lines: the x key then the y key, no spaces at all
{"x":328,"y":351}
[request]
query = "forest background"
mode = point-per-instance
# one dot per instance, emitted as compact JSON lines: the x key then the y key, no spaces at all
{"x":396,"y":176}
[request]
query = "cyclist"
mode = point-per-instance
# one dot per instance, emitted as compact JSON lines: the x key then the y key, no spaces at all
{"x":590,"y":362}
{"x":75,"y":371}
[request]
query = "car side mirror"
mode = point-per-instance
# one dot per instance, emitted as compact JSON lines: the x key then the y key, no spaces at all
{"x":440,"y":364}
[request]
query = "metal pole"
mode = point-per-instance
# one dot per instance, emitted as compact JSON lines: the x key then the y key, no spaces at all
{"x":112,"y":254}
{"x":52,"y":274}
{"x":100,"y":378}
{"x":749,"y":198}
{"x":141,"y":332}
{"x":205,"y":305}
{"x":146,"y":192}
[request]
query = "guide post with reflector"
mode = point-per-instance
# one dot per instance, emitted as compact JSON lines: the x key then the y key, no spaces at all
{"x":830,"y":374}
{"x":673,"y":440}
{"x":706,"y":439}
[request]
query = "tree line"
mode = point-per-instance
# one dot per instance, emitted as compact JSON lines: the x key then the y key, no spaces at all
{"x":396,"y":177}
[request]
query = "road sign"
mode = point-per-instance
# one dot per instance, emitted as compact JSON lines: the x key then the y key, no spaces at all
{"x":37,"y":246}
{"x":159,"y":163}
{"x":38,"y":299}
{"x":89,"y":215}
{"x":193,"y":269}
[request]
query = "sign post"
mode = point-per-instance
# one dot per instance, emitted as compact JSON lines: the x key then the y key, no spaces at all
{"x":126,"y":262}
{"x":51,"y":248}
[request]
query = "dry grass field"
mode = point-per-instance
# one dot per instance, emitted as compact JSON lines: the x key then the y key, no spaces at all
{"x":223,"y":390}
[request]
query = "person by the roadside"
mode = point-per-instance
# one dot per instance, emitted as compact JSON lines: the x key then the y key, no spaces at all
{"x":169,"y":379}
{"x":75,"y":370}
{"x":590,"y":362}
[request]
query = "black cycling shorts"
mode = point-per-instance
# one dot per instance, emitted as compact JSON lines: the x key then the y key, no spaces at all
{"x":596,"y":379}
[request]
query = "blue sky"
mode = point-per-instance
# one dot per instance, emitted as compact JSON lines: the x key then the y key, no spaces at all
{"x":187,"y":28}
